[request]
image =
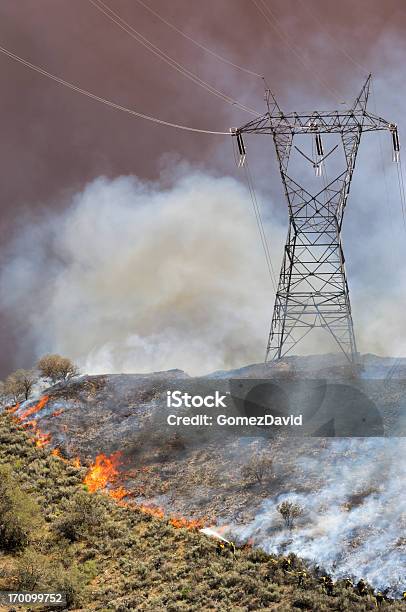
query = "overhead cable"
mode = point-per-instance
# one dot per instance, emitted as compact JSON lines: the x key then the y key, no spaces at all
{"x":382,"y":160}
{"x":333,"y":38}
{"x":270,"y":18}
{"x":197,"y":44}
{"x":402,"y":193}
{"x":114,"y":17}
{"x":258,"y":217}
{"x":110,"y":103}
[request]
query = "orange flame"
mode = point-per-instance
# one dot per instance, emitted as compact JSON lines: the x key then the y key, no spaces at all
{"x":32,"y":423}
{"x":102,"y":472}
{"x":56,"y":452}
{"x":118,"y":494}
{"x":177,"y":522}
{"x":42,"y":439}
{"x":152,"y":511}
{"x":185,"y":523}
{"x":34,"y":409}
{"x":57,"y":412}
{"x":12,"y":409}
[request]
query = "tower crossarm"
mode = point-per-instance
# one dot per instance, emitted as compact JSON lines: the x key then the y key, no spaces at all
{"x":313,"y":291}
{"x":322,"y":122}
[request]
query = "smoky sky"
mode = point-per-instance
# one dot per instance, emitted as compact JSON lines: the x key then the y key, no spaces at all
{"x":54,"y":141}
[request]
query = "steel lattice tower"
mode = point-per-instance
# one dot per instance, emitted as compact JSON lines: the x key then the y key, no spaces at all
{"x":312,"y":290}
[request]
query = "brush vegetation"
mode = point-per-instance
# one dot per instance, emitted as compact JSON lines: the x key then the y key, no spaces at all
{"x":19,"y":385}
{"x":55,"y":535}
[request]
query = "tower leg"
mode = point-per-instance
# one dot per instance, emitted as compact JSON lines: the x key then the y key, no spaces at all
{"x":312,"y":290}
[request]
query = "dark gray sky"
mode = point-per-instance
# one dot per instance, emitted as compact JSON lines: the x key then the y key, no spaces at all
{"x":54,"y":141}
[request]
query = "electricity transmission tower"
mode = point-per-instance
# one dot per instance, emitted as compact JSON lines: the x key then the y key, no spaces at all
{"x":312,"y":290}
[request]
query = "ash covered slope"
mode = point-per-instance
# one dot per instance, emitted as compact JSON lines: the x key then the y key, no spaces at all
{"x":106,"y":413}
{"x":108,"y":557}
{"x":351,"y":491}
{"x":96,"y":414}
{"x":333,"y":366}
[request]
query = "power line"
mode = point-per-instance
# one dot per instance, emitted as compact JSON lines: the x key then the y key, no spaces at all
{"x":388,"y":206}
{"x":105,"y":101}
{"x":197,"y":44}
{"x":260,"y":224}
{"x":258,"y":217}
{"x":402,"y":191}
{"x":399,"y":168}
{"x":333,"y":38}
{"x":270,"y":18}
{"x":128,"y":28}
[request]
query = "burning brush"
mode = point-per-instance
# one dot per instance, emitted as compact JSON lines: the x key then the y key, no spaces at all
{"x":103,"y":475}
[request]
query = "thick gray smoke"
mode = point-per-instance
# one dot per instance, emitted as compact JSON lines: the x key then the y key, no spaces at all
{"x":138,"y":277}
{"x":354,"y":505}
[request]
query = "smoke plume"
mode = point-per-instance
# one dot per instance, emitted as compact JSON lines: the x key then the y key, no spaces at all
{"x":145,"y":276}
{"x":136,"y":276}
{"x":354,"y":512}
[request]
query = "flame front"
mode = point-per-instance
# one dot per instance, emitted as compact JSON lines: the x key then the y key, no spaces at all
{"x":103,"y":475}
{"x":13,"y":409}
{"x":182,"y":522}
{"x":178,"y":522}
{"x":118,"y":494}
{"x":34,"y":409}
{"x":57,"y":412}
{"x":152,"y":511}
{"x":56,"y":452}
{"x":41,"y":438}
{"x":102,"y":472}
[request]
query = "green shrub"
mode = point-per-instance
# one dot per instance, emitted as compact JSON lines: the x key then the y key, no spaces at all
{"x":33,"y":569}
{"x":289,"y":512}
{"x":20,"y":518}
{"x":132,"y":561}
{"x":84,"y":515}
{"x":72,"y":582}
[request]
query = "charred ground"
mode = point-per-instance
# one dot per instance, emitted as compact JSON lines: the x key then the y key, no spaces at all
{"x":54,"y":443}
{"x":191,"y":472}
{"x":108,"y":557}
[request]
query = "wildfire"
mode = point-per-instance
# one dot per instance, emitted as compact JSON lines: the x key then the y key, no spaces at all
{"x":34,"y":409}
{"x":186,"y":523}
{"x":57,"y":412}
{"x":118,"y":494}
{"x":102,"y":472}
{"x":32,"y":424}
{"x":177,"y":522}
{"x":76,"y":462}
{"x":151,"y":510}
{"x":12,"y":409}
{"x":56,"y":452}
{"x":40,"y":439}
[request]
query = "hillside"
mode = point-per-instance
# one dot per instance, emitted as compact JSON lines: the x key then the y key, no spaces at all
{"x":108,"y":556}
{"x":345,"y":471}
